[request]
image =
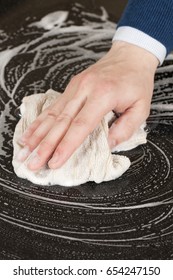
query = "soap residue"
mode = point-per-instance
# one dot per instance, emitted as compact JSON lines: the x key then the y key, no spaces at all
{"x":135,"y":209}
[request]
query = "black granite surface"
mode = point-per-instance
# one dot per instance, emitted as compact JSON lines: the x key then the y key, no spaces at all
{"x":128,"y":218}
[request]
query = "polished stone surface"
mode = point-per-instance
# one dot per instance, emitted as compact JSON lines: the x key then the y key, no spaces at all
{"x":128,"y":218}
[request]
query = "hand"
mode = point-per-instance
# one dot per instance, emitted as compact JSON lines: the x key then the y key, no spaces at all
{"x":121,"y":81}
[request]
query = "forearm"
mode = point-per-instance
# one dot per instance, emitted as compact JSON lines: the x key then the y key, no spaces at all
{"x":148,"y":24}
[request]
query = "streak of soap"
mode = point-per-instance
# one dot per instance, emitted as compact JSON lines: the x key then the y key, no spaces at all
{"x":5,"y":57}
{"x":51,"y":20}
{"x":133,"y":212}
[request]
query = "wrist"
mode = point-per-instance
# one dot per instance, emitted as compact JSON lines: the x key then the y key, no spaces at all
{"x":134,"y":54}
{"x":141,"y":39}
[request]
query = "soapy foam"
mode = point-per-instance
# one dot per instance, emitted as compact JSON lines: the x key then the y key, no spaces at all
{"x":61,"y":49}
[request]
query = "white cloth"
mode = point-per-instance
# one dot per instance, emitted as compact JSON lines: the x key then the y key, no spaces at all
{"x":92,"y":161}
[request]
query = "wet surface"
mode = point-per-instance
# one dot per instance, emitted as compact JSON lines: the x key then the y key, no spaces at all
{"x":128,"y":218}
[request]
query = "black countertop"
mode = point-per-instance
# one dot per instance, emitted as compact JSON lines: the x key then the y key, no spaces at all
{"x":128,"y":218}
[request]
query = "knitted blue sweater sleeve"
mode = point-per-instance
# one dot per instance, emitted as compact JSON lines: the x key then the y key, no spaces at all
{"x":153,"y":17}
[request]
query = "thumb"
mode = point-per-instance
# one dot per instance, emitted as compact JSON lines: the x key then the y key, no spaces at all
{"x":126,"y":125}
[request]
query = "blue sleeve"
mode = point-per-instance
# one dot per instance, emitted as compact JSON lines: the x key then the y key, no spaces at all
{"x":153,"y":17}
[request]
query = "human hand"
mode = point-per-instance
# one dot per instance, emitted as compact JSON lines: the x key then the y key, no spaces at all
{"x":121,"y":81}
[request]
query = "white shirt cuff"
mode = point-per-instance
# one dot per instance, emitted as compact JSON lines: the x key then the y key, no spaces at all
{"x":141,"y":39}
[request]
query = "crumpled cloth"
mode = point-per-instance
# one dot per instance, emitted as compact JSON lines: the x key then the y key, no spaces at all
{"x":92,"y":161}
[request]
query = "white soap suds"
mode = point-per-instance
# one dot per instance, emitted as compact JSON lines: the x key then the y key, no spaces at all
{"x":51,"y":20}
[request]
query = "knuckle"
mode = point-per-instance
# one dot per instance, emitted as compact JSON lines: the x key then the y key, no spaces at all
{"x":74,"y":79}
{"x":87,"y":78}
{"x":33,"y":126}
{"x":36,"y":137}
{"x":45,"y":146}
{"x":33,"y":144}
{"x":80,"y":122}
{"x":52,"y":113}
{"x":64,"y":117}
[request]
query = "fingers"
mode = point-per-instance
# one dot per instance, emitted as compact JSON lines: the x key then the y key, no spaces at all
{"x":116,"y":81}
{"x":80,"y":128}
{"x":50,"y":127}
{"x":38,"y":127}
{"x":30,"y":130}
{"x":56,"y":132}
{"x":45,"y":121}
{"x":127,"y":124}
{"x":41,"y":130}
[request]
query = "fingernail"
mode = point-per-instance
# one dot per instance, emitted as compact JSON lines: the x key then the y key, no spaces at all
{"x":21,"y":142}
{"x":33,"y":161}
{"x":23,"y":154}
